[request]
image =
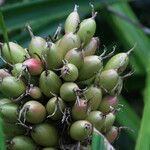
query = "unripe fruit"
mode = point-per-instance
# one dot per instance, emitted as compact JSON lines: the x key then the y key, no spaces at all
{"x":16,"y":54}
{"x":11,"y":130}
{"x":92,"y":64}
{"x":22,"y":143}
{"x":69,"y":72}
{"x":75,"y":56}
{"x":91,"y":47}
{"x":108,"y":80}
{"x":67,"y":91}
{"x":87,"y":30}
{"x":96,"y":118}
{"x":81,"y":130}
{"x":108,"y":103}
{"x":80,"y":110}
{"x":49,"y":82}
{"x":45,"y":134}
{"x":4,"y":101}
{"x":53,"y":57}
{"x":112,"y":134}
{"x":72,"y":21}
{"x":34,"y":66}
{"x":35,"y":92}
{"x":37,"y":46}
{"x":36,"y":112}
{"x":94,"y":95}
{"x":9,"y":112}
{"x":12,"y":87}
{"x":108,"y":122}
{"x":119,"y":62}
{"x":4,"y":73}
{"x":68,"y":42}
{"x":55,"y":107}
{"x":17,"y":69}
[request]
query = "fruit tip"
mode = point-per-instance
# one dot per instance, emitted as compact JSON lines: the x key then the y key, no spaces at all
{"x":76,"y":8}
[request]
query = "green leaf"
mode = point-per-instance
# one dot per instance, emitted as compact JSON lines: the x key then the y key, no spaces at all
{"x":99,"y":142}
{"x":2,"y":145}
{"x":143,"y":142}
{"x":127,"y":117}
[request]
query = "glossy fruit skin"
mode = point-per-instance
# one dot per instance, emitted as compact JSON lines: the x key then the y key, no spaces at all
{"x":35,"y":92}
{"x":75,"y":56}
{"x":87,"y":30}
{"x":119,"y":62}
{"x":108,"y":122}
{"x":17,"y":69}
{"x":12,"y":87}
{"x":51,"y":105}
{"x":49,"y":83}
{"x":16,"y":55}
{"x":92,"y":64}
{"x":9,"y":112}
{"x":11,"y":130}
{"x":94,"y":95}
{"x":108,"y":102}
{"x":71,"y":72}
{"x":80,"y":110}
{"x":68,"y":42}
{"x":4,"y":73}
{"x":72,"y":22}
{"x":36,"y":112}
{"x":45,"y":134}
{"x":4,"y":101}
{"x":91,"y":47}
{"x":23,"y":143}
{"x":80,"y":130}
{"x":96,"y":118}
{"x":112,"y":134}
{"x":109,"y":79}
{"x":34,"y":66}
{"x":67,"y":91}
{"x":53,"y":57}
{"x":37,"y":46}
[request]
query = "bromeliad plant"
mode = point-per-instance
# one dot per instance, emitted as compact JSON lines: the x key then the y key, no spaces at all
{"x":57,"y":91}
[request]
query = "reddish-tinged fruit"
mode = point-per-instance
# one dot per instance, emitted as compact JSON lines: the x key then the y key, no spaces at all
{"x":108,"y":103}
{"x":35,"y":92}
{"x":80,"y":109}
{"x":34,"y":66}
{"x":4,"y":73}
{"x":112,"y":134}
{"x":35,"y":113}
{"x":91,"y":47}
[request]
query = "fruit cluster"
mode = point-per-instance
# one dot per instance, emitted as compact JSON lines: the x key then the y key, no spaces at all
{"x":57,"y":91}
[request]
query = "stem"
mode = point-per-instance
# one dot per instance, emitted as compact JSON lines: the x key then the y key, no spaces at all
{"x":30,"y":30}
{"x":128,"y":53}
{"x":76,"y":8}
